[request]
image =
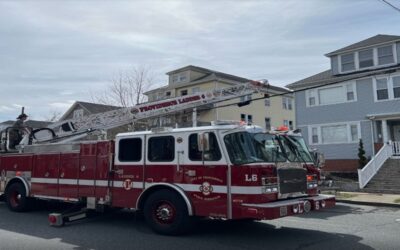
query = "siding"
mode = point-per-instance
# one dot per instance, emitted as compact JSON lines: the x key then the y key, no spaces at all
{"x":345,"y":112}
{"x":345,"y":150}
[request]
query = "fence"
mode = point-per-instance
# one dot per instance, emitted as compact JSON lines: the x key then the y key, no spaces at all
{"x":373,"y":166}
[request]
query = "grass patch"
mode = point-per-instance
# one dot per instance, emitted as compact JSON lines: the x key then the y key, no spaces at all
{"x":397,"y":200}
{"x":345,"y":195}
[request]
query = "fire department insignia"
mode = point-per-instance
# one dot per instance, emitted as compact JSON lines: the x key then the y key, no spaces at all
{"x":206,"y":188}
{"x":127,"y":184}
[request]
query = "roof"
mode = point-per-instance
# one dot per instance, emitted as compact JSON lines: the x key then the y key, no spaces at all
{"x":326,"y":77}
{"x":92,"y":108}
{"x":208,"y":71}
{"x":375,"y":40}
{"x":210,"y":75}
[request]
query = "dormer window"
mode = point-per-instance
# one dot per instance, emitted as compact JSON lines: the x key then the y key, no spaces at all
{"x":370,"y":58}
{"x":385,"y":55}
{"x":178,"y":78}
{"x":348,"y":62}
{"x":366,"y":58}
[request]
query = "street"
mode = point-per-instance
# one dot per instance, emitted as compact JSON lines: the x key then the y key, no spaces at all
{"x":343,"y":227}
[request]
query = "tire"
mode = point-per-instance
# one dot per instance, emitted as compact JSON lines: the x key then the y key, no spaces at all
{"x":16,"y":198}
{"x":166,"y":213}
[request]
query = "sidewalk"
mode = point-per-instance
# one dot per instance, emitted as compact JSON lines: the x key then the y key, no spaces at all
{"x":374,"y":199}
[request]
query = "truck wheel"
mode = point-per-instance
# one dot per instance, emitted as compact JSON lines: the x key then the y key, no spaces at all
{"x":166,"y":213}
{"x":16,"y":198}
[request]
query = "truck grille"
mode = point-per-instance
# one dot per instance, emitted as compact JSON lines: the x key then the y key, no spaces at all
{"x":292,"y":180}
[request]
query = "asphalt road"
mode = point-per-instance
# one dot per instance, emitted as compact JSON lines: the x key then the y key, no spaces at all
{"x":343,"y":227}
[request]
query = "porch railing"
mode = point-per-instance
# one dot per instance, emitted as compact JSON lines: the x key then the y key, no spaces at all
{"x":373,"y":166}
{"x":396,"y":148}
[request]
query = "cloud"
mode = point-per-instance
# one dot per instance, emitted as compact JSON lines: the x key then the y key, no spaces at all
{"x":54,"y":51}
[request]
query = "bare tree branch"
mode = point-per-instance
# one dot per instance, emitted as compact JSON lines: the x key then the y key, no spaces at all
{"x":127,"y":87}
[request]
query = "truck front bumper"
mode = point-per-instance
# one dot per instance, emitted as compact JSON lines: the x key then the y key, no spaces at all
{"x":278,"y":209}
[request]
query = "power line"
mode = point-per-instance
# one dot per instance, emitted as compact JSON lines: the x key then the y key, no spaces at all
{"x":391,"y":5}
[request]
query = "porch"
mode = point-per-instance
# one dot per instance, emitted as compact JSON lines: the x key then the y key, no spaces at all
{"x":386,"y":138}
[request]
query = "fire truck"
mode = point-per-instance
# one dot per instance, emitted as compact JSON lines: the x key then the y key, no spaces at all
{"x":172,"y":175}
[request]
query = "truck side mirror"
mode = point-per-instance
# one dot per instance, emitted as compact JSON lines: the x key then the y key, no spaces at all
{"x":203,"y":142}
{"x":319,"y":158}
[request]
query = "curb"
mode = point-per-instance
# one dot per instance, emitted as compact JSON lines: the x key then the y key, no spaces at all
{"x":369,"y":203}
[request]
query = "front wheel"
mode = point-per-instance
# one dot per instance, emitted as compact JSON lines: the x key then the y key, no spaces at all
{"x":167,"y":213}
{"x":16,"y":198}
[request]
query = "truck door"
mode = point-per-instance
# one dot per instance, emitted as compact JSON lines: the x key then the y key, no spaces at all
{"x":128,"y":170}
{"x":205,"y":175}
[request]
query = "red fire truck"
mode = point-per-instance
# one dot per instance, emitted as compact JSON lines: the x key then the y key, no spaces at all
{"x":221,"y":171}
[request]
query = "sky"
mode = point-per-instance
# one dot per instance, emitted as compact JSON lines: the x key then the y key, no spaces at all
{"x":53,"y":53}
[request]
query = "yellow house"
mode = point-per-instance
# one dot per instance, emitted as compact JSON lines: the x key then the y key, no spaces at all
{"x":275,"y":111}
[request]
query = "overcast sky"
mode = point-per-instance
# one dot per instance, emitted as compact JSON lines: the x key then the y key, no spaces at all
{"x":55,"y":52}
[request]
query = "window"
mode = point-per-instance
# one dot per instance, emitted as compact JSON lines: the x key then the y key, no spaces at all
{"x":195,"y":90}
{"x":287,"y":103}
{"x":267,"y":123}
{"x":335,"y":133}
{"x":311,"y":98}
{"x":350,"y":92}
{"x":184,"y":92}
{"x":385,"y":55}
{"x":245,"y":98}
{"x":286,"y":123}
{"x":331,"y":95}
{"x":249,"y":119}
{"x":242,"y":117}
{"x":382,"y":89}
{"x":315,"y":135}
{"x":130,"y":150}
{"x":366,"y":58}
{"x":339,"y":93}
{"x":213,"y":154}
{"x":354,"y":132}
{"x":267,"y":102}
{"x":291,"y":125}
{"x":168,"y":93}
{"x":78,"y":113}
{"x":347,"y":61}
{"x":161,"y":149}
{"x":182,"y":77}
{"x":396,"y":86}
{"x":387,"y":88}
{"x":246,"y":118}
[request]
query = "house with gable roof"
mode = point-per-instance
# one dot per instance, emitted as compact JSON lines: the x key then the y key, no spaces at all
{"x":80,"y":109}
{"x":268,"y":113}
{"x":357,"y":98}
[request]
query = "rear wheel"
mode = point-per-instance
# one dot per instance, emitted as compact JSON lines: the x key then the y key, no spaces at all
{"x":167,"y":213}
{"x":16,"y":198}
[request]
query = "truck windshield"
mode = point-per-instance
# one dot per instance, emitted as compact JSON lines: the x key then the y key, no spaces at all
{"x":244,"y":148}
{"x":295,"y":148}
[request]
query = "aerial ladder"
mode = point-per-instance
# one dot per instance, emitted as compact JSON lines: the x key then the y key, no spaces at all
{"x":75,"y":129}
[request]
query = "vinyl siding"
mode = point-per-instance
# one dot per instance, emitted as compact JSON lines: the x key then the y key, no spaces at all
{"x":345,"y":112}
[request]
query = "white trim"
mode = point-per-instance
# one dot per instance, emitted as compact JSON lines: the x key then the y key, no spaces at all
{"x":139,"y":185}
{"x":348,"y":131}
{"x":342,"y":85}
{"x":68,"y":182}
{"x":45,"y":180}
{"x":389,"y":78}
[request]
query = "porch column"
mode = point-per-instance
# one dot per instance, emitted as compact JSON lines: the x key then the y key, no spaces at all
{"x":384,"y":131}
